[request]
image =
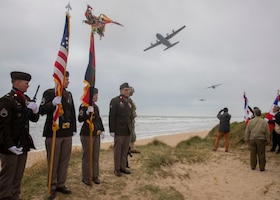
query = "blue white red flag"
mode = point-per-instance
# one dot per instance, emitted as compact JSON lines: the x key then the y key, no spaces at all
{"x":270,"y":114}
{"x":60,"y":68}
{"x":89,"y":75}
{"x":246,"y":109}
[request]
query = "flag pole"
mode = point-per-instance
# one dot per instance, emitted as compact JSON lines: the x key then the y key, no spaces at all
{"x":59,"y":78}
{"x":91,"y":125}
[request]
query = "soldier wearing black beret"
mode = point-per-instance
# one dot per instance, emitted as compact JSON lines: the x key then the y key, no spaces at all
{"x":16,"y":110}
{"x":120,"y":125}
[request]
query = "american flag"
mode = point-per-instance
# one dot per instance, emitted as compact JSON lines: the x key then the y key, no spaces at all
{"x":270,"y":114}
{"x":246,"y":109}
{"x":60,"y":68}
{"x":89,"y":75}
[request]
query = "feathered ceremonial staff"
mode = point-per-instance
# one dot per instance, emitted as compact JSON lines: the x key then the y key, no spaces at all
{"x":97,"y":23}
{"x":97,"y":26}
{"x":59,"y":76}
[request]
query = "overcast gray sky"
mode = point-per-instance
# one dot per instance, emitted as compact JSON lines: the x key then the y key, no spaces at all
{"x":236,"y":43}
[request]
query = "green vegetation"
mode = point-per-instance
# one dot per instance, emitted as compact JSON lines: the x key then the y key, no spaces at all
{"x":149,"y":169}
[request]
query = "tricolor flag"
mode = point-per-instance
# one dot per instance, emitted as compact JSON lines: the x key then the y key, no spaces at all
{"x":60,"y":69}
{"x":89,"y":75}
{"x":246,"y":109}
{"x":270,"y":114}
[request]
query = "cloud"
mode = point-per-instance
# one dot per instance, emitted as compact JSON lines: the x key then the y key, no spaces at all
{"x":231,"y":42}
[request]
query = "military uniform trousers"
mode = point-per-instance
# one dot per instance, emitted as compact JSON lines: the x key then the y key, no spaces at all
{"x":121,"y":147}
{"x":85,"y":140}
{"x":62,"y":154}
{"x":257,"y":148}
{"x":12,"y":169}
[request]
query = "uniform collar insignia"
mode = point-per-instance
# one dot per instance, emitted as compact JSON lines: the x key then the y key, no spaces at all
{"x":3,"y":112}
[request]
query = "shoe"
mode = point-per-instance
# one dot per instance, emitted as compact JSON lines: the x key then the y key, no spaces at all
{"x":64,"y":190}
{"x":96,"y":180}
{"x":125,"y":171}
{"x":117,"y":173}
{"x":52,"y":195}
{"x":253,"y":168}
{"x":262,"y":170}
{"x":271,"y":150}
{"x":134,"y":151}
{"x":226,"y":151}
{"x":277,"y":152}
{"x":214,"y":149}
{"x":86,"y":182}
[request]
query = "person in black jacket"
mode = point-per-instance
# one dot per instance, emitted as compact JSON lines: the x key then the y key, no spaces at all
{"x":16,"y":110}
{"x":84,"y":116}
{"x":63,"y":141}
{"x":120,"y":125}
{"x":224,"y":128}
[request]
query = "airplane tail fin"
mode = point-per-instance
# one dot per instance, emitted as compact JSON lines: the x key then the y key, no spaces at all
{"x":171,"y":45}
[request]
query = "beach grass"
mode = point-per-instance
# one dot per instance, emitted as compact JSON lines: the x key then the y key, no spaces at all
{"x":155,"y":162}
{"x":149,"y":169}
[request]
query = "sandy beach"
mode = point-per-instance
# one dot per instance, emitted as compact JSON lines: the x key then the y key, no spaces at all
{"x":171,"y":140}
{"x":223,"y":176}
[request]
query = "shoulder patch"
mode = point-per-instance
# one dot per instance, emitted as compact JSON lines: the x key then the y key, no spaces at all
{"x":43,"y":101}
{"x":3,"y":112}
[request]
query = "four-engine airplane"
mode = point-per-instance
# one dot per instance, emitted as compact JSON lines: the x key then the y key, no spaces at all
{"x":164,"y":40}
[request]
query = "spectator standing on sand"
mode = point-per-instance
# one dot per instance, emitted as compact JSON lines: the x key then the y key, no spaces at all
{"x":224,"y":128}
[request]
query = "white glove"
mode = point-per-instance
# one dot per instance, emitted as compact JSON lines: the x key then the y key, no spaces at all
{"x":56,"y":100}
{"x":112,"y":134}
{"x":16,"y":150}
{"x":102,"y":135}
{"x":33,"y":106}
{"x":89,"y":110}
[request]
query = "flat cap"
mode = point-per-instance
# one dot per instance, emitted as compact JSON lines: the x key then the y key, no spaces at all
{"x":15,"y":75}
{"x":124,"y":85}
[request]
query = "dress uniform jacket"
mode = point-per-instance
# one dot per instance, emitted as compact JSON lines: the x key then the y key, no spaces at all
{"x":120,"y":116}
{"x":14,"y":122}
{"x":96,"y":119}
{"x":67,"y":122}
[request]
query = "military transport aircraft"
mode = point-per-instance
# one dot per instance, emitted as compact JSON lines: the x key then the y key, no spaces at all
{"x":164,"y":40}
{"x":213,"y":86}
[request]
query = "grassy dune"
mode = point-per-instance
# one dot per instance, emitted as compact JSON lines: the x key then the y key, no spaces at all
{"x":156,"y":171}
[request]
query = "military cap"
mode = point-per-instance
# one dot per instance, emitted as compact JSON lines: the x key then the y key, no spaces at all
{"x":124,"y":85}
{"x":15,"y":75}
{"x":95,"y":91}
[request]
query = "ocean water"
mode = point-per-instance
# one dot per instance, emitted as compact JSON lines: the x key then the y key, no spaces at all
{"x":145,"y":127}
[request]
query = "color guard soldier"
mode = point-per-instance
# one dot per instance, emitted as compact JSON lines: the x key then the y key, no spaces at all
{"x":84,"y":116}
{"x":120,"y":125}
{"x":63,"y":142}
{"x":16,"y":110}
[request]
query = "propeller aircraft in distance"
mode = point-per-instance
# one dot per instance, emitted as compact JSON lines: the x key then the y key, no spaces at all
{"x":213,"y":86}
{"x":164,"y":40}
{"x":201,"y":99}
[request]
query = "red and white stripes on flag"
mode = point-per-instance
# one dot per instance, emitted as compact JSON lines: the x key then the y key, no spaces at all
{"x":60,"y":69}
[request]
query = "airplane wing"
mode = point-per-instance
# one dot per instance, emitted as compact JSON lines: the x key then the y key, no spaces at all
{"x":214,"y":86}
{"x":153,"y":45}
{"x":174,"y":33}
